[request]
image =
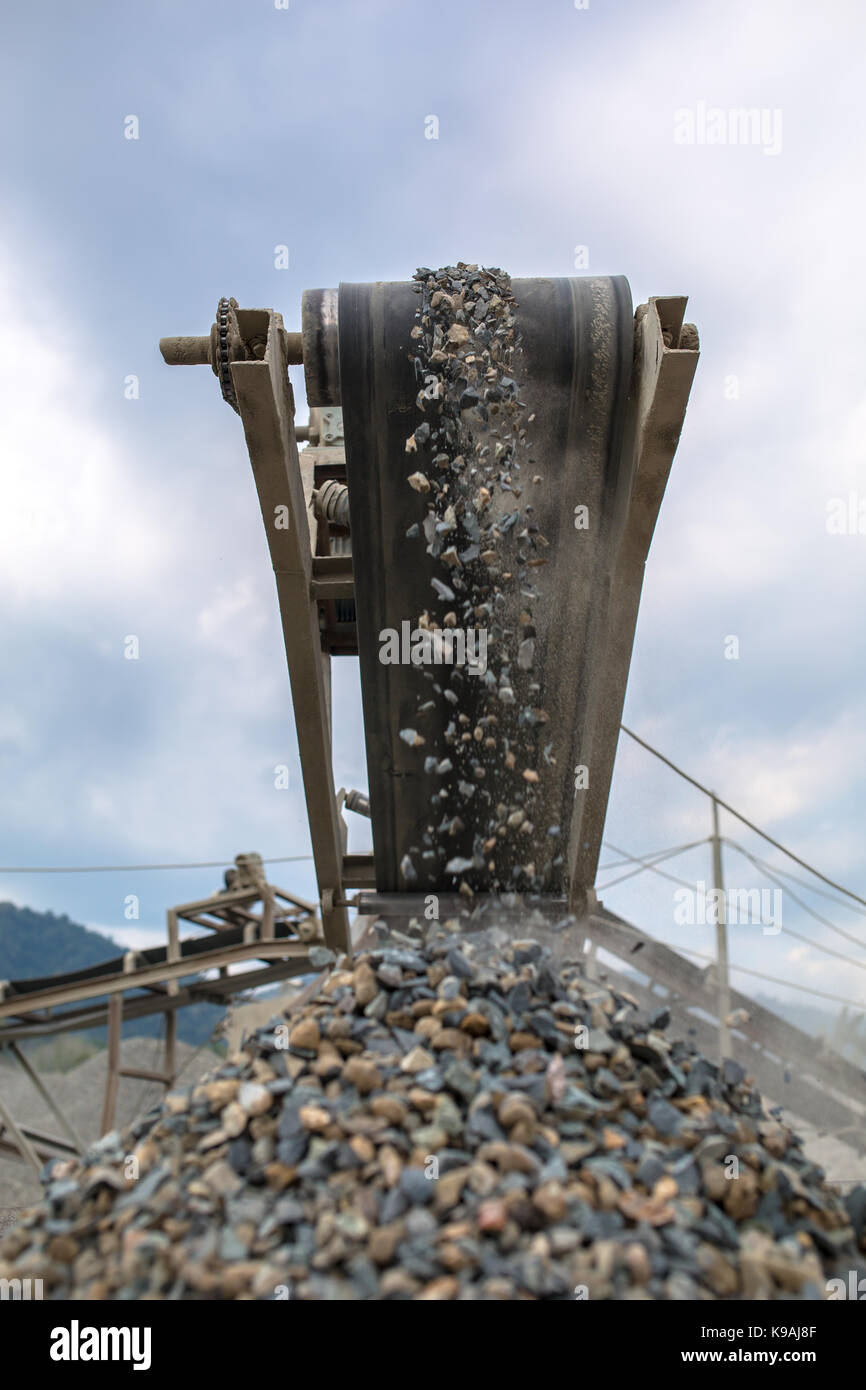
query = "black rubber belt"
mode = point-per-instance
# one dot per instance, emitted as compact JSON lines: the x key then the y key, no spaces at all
{"x":574,"y":372}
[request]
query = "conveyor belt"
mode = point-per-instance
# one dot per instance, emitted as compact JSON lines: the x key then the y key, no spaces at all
{"x":597,"y":408}
{"x":574,"y":372}
{"x":190,"y":949}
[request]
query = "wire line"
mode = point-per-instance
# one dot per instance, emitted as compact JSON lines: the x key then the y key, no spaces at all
{"x":667,"y":854}
{"x":141,"y":868}
{"x":840,"y":888}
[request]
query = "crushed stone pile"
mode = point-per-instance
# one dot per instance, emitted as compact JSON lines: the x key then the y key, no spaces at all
{"x":80,"y":1092}
{"x":454,"y":1117}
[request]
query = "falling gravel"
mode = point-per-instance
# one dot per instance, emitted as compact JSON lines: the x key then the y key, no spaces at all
{"x":473,"y":472}
{"x":459,"y":1118}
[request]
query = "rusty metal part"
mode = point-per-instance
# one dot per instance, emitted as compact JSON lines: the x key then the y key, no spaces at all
{"x":321,"y":347}
{"x":225,"y":344}
{"x":266,"y":406}
{"x":186,"y":352}
{"x":227,"y":347}
{"x":608,"y":399}
{"x":249,"y":872}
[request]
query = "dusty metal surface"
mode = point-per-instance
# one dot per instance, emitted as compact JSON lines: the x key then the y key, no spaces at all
{"x":606,"y":399}
{"x":666,"y":357}
{"x":266,"y":406}
{"x":283,"y":930}
{"x":320,"y":346}
{"x":279,"y":937}
{"x":574,"y":374}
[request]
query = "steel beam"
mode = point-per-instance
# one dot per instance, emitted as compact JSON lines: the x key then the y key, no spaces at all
{"x":666,"y":356}
{"x":95,"y":987}
{"x":266,"y":406}
{"x":46,"y":1095}
{"x":42,"y":1146}
{"x":25,"y":1026}
{"x":18,"y":1138}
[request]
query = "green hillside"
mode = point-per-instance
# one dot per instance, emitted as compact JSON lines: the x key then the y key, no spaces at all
{"x":33,"y":944}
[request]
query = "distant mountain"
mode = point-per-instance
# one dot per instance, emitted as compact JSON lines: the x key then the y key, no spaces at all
{"x":33,"y":944}
{"x":39,"y":943}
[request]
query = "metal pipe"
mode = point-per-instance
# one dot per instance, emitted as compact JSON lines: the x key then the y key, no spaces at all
{"x":294,"y":349}
{"x":321,"y":347}
{"x":185,"y":352}
{"x":358,"y":802}
{"x":724,"y":987}
{"x":196,"y":352}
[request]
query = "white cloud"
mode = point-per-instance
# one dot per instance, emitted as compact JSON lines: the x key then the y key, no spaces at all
{"x":78,"y":521}
{"x":102,"y":534}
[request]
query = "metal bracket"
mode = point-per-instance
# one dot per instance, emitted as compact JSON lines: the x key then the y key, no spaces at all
{"x":266,"y":407}
{"x":666,"y":357}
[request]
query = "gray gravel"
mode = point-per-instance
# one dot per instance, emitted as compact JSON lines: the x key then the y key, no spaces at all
{"x":470,"y":462}
{"x":80,"y":1093}
{"x":461,"y":1119}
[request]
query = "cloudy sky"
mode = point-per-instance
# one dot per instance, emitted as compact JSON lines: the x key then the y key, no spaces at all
{"x":558,"y":128}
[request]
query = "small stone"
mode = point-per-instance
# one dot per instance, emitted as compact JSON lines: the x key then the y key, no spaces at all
{"x":363,"y":1075}
{"x":219,"y":1093}
{"x":551,"y":1201}
{"x":416,"y":1060}
{"x":363,"y":1148}
{"x":305,"y":1034}
{"x":222,"y":1179}
{"x":314,"y":1117}
{"x":364,"y":983}
{"x":516,"y":1109}
{"x":234,"y":1119}
{"x":389,"y":1107}
{"x":384,"y":1241}
{"x":391,"y":1164}
{"x":439,"y":1290}
{"x":412,"y":737}
{"x":321,"y":957}
{"x":253,"y":1098}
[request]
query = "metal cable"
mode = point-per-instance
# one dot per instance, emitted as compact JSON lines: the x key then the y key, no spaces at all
{"x":668,"y":854}
{"x":786,"y":873}
{"x":140,"y":868}
{"x":840,"y":888}
{"x":649,"y":862}
{"x":825,"y":921}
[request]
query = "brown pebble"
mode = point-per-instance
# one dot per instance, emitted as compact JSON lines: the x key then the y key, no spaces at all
{"x":384,"y":1241}
{"x":417,"y":1059}
{"x":314,"y":1117}
{"x":305,"y":1034}
{"x":362,"y":1074}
